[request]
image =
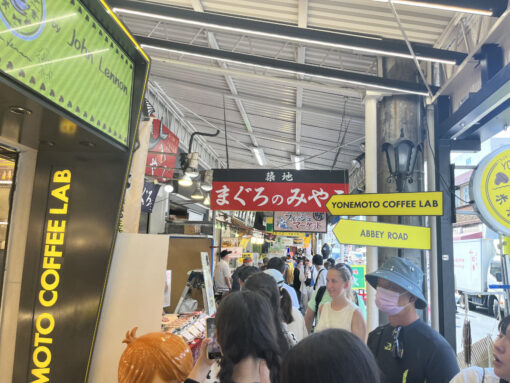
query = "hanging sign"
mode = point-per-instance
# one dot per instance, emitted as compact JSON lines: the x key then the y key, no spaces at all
{"x":426,"y":203}
{"x":276,"y":190}
{"x":365,"y":233}
{"x":490,"y":190}
{"x":163,"y":147}
{"x":149,"y":193}
{"x":300,"y":221}
{"x":60,"y":51}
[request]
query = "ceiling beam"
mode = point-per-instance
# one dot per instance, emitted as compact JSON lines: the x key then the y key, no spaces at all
{"x":307,"y":84}
{"x":257,"y":100}
{"x":340,"y":40}
{"x":355,"y":79}
{"x":301,"y":55}
{"x":213,"y":43}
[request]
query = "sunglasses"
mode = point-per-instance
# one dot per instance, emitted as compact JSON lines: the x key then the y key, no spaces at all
{"x":398,"y":346}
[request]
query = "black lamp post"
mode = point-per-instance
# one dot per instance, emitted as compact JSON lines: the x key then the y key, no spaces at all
{"x":401,"y":158}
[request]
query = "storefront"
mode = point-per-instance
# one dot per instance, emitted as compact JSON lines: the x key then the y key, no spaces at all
{"x":71,"y":83}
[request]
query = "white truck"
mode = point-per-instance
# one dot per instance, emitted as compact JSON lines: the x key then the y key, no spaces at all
{"x":477,"y":266}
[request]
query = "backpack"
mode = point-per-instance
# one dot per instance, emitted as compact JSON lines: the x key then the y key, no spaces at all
{"x":318,"y":299}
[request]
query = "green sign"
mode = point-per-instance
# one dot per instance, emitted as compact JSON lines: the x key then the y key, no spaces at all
{"x":59,"y":50}
{"x":358,"y":274}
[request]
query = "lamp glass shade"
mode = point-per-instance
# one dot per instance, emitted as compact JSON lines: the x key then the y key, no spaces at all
{"x":185,"y":181}
{"x":403,"y":153}
{"x":192,"y":172}
{"x":197,"y":193}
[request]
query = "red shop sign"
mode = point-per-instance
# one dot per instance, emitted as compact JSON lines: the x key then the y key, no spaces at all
{"x":164,"y":145}
{"x":276,"y":190}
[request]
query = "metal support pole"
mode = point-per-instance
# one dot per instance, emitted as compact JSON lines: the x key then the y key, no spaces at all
{"x":371,"y":100}
{"x":431,"y":186}
{"x":445,"y":276}
{"x":504,"y":263}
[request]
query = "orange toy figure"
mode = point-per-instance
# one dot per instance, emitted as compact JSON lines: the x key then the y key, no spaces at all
{"x":156,"y":357}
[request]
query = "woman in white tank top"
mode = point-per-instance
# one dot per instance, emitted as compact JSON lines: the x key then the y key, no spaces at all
{"x":341,"y":312}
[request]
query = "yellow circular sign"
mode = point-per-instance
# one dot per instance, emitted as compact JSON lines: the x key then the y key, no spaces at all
{"x":491,"y":190}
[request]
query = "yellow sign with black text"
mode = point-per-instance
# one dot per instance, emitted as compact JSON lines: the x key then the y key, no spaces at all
{"x":490,"y":186}
{"x":425,"y":203}
{"x":289,"y":234}
{"x":365,"y":233}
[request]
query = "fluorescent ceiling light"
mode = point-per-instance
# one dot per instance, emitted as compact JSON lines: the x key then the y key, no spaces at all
{"x":352,"y":82}
{"x":299,"y":162}
{"x":438,"y":5}
{"x":243,"y":31}
{"x":259,"y":155}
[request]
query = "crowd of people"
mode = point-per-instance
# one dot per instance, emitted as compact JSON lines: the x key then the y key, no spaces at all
{"x":263,"y":336}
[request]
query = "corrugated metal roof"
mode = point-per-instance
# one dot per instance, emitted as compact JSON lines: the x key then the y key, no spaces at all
{"x":284,"y":111}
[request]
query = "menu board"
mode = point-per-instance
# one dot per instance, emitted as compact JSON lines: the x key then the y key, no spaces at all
{"x":209,"y":302}
{"x":60,"y":51}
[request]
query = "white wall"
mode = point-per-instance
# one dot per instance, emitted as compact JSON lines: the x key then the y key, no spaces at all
{"x":133,"y":297}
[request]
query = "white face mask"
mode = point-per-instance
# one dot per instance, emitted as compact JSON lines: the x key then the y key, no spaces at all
{"x":387,"y":301}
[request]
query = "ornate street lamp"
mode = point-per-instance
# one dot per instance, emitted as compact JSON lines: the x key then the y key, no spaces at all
{"x":401,"y":158}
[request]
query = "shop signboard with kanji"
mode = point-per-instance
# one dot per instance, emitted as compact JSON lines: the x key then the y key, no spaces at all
{"x":162,"y":156}
{"x":276,"y":190}
{"x":300,"y":221}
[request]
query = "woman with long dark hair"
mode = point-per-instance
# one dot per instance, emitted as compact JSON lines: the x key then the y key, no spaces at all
{"x":247,"y":337}
{"x":265,"y":285}
{"x":330,"y":356}
{"x":501,"y":371}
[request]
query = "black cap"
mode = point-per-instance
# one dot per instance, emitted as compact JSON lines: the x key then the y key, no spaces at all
{"x":224,"y":252}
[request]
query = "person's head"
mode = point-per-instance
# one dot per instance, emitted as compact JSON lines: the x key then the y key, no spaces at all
{"x":277,"y":264}
{"x":300,"y":261}
{"x":502,"y":350}
{"x":327,"y":265}
{"x":330,"y":356}
{"x":247,"y":261}
{"x":154,"y":357}
{"x":224,"y":255}
{"x":285,"y":299}
{"x":317,"y":260}
{"x":245,"y":272}
{"x":399,"y":286}
{"x":245,"y":328}
{"x":265,"y":285}
{"x":325,"y":250}
{"x":265,"y":260}
{"x":307,"y":261}
{"x":338,"y":281}
{"x":332,"y":261}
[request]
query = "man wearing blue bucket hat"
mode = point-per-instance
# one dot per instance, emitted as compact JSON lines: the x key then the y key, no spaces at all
{"x":407,"y":350}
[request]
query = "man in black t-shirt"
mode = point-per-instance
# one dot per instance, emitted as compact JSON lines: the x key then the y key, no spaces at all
{"x":407,"y":350}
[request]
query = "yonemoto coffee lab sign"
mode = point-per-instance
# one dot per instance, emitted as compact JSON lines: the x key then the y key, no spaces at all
{"x":53,"y":259}
{"x":60,"y":51}
{"x":490,"y":190}
{"x":276,"y":189}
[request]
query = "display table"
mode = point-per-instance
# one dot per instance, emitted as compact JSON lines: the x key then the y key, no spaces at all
{"x":191,"y":327}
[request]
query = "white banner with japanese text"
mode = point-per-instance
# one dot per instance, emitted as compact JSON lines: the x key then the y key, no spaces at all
{"x":298,"y":221}
{"x":276,"y":190}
